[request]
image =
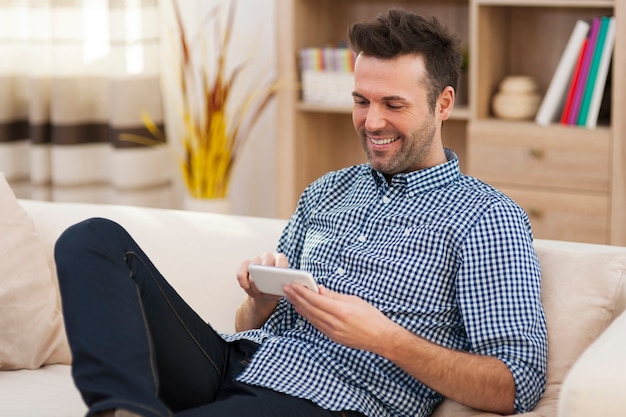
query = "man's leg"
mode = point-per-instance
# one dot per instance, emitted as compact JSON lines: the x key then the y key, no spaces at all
{"x":136,"y":344}
{"x":246,"y":400}
{"x":236,"y":399}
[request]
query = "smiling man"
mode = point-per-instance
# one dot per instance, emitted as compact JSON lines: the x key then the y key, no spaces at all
{"x":429,"y":285}
{"x":430,"y":270}
{"x":399,"y":128}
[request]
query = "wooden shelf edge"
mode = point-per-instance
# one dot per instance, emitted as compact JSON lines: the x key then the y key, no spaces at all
{"x":530,"y":124}
{"x":324,"y":108}
{"x":552,"y":189}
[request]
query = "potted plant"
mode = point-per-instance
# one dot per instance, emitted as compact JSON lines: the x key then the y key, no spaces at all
{"x":212,"y":129}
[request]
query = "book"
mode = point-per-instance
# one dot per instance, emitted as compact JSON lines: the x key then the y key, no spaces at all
{"x":601,"y":77}
{"x":554,"y":99}
{"x":584,"y":72}
{"x":593,"y":72}
{"x":567,"y":107}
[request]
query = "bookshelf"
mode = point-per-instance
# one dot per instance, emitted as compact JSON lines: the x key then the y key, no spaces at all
{"x":571,"y":181}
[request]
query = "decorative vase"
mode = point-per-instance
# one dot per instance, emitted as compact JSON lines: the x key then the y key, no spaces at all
{"x":207,"y":205}
{"x":517,"y":98}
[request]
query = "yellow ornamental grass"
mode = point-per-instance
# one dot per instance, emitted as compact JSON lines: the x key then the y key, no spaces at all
{"x":212,"y":138}
{"x":206,"y":168}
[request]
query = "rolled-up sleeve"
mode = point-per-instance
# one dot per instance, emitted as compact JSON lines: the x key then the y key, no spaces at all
{"x":499,"y":296}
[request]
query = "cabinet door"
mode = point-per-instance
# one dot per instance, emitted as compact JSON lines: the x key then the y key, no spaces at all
{"x":580,"y":217}
{"x":538,"y":157}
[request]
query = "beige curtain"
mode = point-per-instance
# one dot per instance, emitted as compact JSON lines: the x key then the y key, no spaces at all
{"x":76,"y":76}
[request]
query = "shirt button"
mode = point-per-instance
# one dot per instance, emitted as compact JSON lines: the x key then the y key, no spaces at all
{"x":299,"y":324}
{"x":362,"y":238}
{"x":386,"y":200}
{"x":341,"y":271}
{"x":407,"y":232}
{"x":411,"y":193}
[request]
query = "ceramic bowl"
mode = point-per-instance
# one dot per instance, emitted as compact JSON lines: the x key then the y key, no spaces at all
{"x":515,"y":106}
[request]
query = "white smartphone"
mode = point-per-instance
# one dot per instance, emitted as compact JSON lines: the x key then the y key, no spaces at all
{"x":272,"y":279}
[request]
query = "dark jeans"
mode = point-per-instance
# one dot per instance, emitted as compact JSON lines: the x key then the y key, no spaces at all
{"x":137,"y":345}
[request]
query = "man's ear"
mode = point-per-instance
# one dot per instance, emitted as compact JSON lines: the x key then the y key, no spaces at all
{"x":445,"y":103}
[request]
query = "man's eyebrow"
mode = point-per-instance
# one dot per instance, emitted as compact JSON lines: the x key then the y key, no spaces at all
{"x":393,"y":98}
{"x":386,"y":98}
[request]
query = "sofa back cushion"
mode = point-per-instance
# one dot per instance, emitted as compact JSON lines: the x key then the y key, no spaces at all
{"x":31,"y":325}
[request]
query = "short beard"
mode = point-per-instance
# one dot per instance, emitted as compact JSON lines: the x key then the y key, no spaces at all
{"x":411,"y":157}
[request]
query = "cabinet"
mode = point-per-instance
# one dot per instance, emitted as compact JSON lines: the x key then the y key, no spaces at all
{"x":571,"y":181}
{"x":562,"y":181}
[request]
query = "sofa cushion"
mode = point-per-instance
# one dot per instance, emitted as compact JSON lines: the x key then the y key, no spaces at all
{"x":31,"y":325}
{"x":595,"y":384}
{"x":579,"y":293}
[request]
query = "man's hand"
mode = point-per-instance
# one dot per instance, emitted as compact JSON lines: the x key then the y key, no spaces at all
{"x":346,"y":319}
{"x":257,"y":306}
{"x":482,"y":382}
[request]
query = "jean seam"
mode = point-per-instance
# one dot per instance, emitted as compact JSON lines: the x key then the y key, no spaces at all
{"x":173,"y":310}
{"x":155,"y":374}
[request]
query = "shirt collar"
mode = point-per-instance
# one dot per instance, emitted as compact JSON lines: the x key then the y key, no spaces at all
{"x":418,"y":182}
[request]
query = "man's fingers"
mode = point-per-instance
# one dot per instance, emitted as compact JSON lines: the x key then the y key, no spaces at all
{"x":317,"y":308}
{"x":281,"y":260}
{"x":268,"y":259}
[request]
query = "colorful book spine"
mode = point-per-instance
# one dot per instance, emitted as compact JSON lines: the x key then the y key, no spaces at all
{"x":603,"y":71}
{"x":327,"y":59}
{"x":567,"y":107}
{"x":584,"y":72}
{"x":593,"y":72}
{"x":554,"y":99}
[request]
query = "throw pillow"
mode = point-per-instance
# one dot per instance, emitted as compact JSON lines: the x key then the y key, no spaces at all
{"x":32,"y":332}
{"x":595,"y":384}
{"x":579,"y":292}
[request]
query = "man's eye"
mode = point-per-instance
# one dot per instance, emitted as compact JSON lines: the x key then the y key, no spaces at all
{"x":360,"y":101}
{"x":394,"y":106}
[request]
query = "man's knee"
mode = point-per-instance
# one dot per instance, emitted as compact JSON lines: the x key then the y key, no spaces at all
{"x":84,"y":236}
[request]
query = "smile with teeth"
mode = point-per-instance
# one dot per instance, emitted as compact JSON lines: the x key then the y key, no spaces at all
{"x":384,"y":141}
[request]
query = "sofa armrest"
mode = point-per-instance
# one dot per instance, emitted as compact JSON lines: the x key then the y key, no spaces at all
{"x":595,"y":384}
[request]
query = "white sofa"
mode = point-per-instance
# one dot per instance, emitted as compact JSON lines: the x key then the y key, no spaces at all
{"x":199,"y":253}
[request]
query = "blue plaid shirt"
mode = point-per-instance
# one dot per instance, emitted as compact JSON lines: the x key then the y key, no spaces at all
{"x":442,"y":254}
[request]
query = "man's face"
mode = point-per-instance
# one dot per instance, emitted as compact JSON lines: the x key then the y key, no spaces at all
{"x":391,"y":114}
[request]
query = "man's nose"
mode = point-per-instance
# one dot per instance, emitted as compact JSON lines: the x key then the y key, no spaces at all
{"x":375,"y":119}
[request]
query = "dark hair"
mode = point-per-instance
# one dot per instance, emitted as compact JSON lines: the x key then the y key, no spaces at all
{"x":399,"y":32}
